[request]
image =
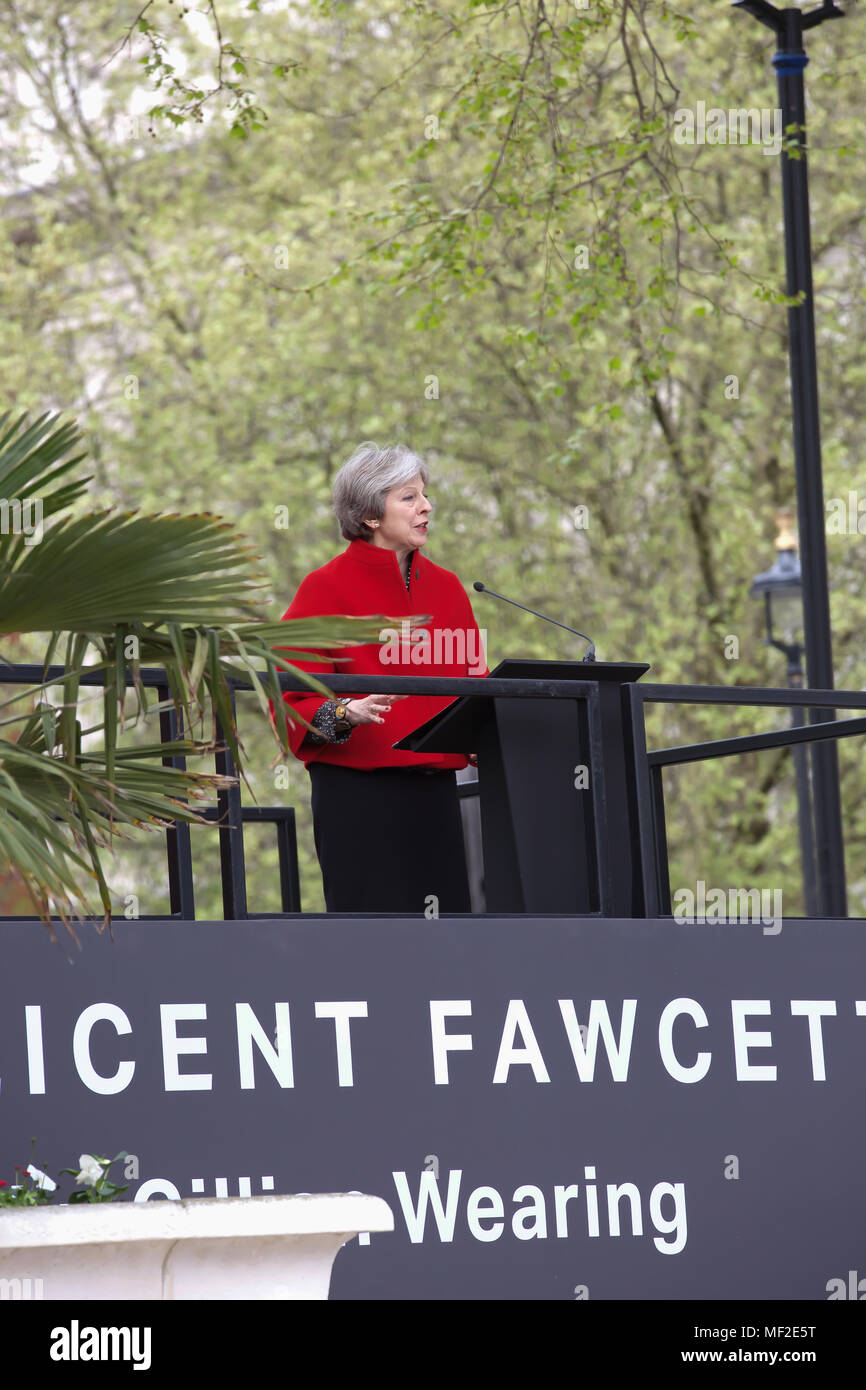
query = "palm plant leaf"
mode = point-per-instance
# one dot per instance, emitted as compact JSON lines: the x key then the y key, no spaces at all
{"x":32,"y":461}
{"x":56,"y":818}
{"x":87,"y":571}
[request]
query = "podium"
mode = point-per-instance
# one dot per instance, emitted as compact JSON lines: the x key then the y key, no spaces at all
{"x":558,"y":814}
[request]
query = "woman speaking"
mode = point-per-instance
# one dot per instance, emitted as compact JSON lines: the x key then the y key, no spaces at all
{"x":387,"y":824}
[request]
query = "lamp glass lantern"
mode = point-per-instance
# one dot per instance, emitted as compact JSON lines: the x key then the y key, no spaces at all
{"x":781,"y":587}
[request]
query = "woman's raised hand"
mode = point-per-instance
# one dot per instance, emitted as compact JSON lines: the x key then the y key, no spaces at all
{"x":372,"y":709}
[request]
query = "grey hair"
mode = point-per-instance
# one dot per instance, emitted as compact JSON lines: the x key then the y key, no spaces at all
{"x":362,"y":483}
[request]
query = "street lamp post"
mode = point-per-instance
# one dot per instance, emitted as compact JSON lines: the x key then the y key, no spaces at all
{"x":782,"y":590}
{"x":789,"y":61}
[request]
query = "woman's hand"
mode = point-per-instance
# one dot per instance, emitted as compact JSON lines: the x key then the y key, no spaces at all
{"x":372,"y":709}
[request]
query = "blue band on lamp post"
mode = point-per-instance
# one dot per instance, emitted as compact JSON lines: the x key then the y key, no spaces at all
{"x":786,"y":63}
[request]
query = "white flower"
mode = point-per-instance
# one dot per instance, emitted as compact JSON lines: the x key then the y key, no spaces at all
{"x":41,"y":1179}
{"x":91,"y":1169}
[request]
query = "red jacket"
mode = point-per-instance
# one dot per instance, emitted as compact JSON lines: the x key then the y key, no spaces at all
{"x":363,"y":581}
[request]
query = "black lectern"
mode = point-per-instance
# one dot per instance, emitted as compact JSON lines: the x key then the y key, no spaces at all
{"x":556,"y":783}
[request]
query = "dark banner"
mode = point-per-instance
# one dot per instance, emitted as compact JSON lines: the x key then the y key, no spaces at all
{"x":553,"y":1108}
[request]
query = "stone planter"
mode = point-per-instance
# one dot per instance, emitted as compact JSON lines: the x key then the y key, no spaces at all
{"x":198,"y":1247}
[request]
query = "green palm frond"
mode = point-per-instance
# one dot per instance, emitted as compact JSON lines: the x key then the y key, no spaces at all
{"x":55,"y":818}
{"x":87,"y":570}
{"x":33,"y":460}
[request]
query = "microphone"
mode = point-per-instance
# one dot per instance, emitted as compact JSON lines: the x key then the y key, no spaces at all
{"x":590,"y":651}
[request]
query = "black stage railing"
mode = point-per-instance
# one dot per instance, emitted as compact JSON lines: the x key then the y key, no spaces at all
{"x":650,"y":765}
{"x":231,"y":815}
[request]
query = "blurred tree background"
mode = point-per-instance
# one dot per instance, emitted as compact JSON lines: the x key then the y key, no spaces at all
{"x":240,"y":239}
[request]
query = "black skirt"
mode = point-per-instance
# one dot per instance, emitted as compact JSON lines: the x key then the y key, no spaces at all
{"x":389,"y":840}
